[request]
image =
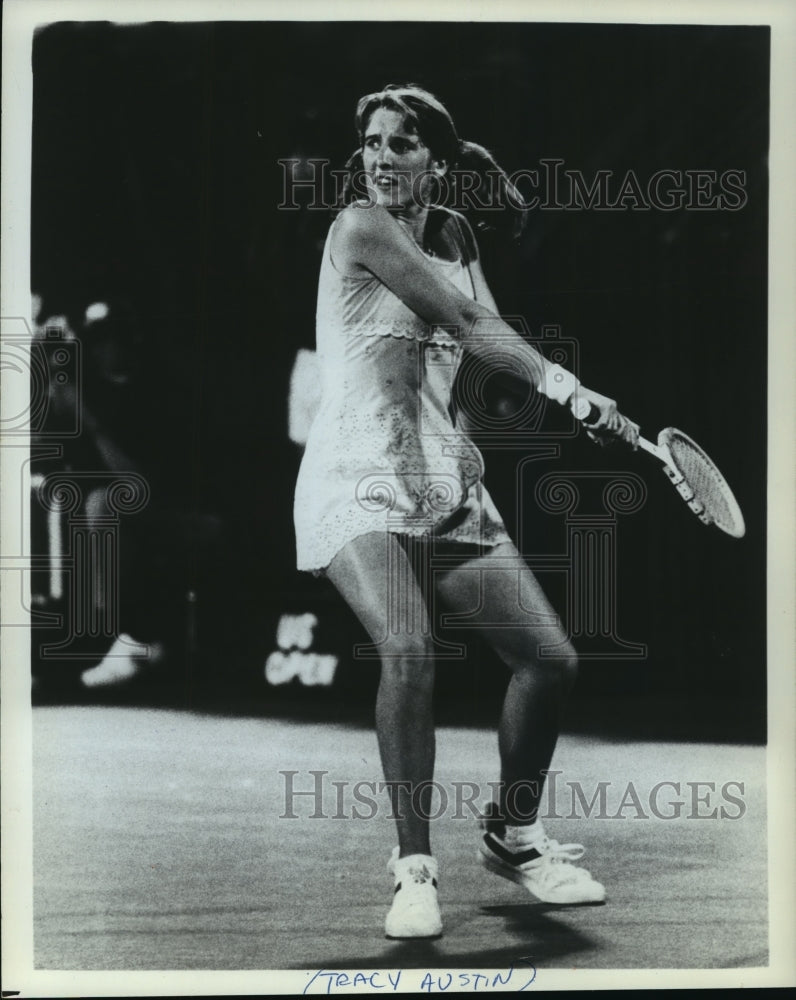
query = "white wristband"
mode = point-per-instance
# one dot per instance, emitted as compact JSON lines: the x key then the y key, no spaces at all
{"x":558,"y":384}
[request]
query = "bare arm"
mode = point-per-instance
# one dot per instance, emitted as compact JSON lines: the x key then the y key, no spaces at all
{"x":610,"y":420}
{"x":369,"y":238}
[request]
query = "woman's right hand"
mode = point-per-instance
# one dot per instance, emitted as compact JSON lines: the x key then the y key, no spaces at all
{"x":610,"y":426}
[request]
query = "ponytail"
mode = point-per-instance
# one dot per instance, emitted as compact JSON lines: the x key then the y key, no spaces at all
{"x":479,"y":187}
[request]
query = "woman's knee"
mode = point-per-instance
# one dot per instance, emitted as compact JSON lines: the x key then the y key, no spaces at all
{"x":408,"y":661}
{"x":558,"y":665}
{"x":567,"y":664}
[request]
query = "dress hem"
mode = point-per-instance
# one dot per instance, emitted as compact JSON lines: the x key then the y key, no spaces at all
{"x":321,"y":571}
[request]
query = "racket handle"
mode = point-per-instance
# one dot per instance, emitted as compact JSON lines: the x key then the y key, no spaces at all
{"x":583,"y":410}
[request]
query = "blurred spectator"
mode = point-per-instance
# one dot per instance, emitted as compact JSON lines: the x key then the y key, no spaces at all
{"x":126,"y":428}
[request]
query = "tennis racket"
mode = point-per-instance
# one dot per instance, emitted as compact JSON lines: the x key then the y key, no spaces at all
{"x":693,"y":474}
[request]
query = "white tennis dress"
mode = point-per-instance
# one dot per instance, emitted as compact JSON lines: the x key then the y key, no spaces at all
{"x":383,"y":453}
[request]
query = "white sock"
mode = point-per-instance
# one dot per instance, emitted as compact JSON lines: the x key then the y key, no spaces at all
{"x":520,"y":838}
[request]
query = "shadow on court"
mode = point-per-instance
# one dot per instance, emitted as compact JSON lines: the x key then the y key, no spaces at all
{"x":535,"y":937}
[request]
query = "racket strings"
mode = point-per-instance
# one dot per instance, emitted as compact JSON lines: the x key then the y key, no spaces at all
{"x":709,"y":486}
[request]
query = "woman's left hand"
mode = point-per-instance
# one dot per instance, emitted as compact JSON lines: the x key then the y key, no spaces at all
{"x":611,"y":426}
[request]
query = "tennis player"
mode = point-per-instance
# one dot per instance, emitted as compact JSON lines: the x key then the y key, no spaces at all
{"x":386,"y":475}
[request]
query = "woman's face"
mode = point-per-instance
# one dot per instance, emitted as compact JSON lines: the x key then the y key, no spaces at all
{"x":397,"y":162}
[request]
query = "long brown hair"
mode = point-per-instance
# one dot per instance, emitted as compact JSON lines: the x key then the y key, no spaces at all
{"x":474,"y":182}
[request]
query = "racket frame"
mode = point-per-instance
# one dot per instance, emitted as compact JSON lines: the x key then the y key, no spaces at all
{"x":582,"y":411}
{"x":675,"y":477}
{"x":662,"y":452}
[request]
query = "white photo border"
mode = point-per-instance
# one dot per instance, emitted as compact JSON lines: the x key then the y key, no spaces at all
{"x":20,"y":17}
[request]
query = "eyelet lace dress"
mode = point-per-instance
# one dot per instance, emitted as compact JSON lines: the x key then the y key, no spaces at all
{"x":383,"y":453}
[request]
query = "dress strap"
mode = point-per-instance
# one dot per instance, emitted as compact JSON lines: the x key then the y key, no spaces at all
{"x":466,"y":252}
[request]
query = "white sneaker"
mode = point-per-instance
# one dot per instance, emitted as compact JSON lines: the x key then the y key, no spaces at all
{"x":124,"y":660}
{"x":543,"y":866}
{"x":415,"y":909}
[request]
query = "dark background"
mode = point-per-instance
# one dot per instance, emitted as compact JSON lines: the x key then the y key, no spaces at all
{"x":156,"y":182}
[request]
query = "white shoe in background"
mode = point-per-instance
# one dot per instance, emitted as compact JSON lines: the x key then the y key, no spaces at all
{"x":124,"y":660}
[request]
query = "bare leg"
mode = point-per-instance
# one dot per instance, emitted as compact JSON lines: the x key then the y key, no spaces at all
{"x":365,"y":573}
{"x":517,"y":620}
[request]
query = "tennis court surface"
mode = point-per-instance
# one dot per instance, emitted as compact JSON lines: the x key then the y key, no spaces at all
{"x":160,"y":842}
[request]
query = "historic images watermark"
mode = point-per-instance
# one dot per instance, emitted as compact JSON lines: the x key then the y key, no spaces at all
{"x":313,"y":184}
{"x":314,"y":795}
{"x":588,"y":504}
